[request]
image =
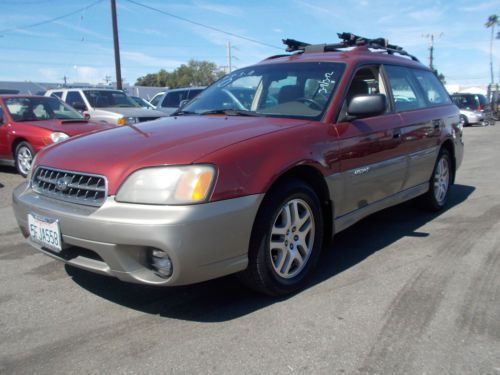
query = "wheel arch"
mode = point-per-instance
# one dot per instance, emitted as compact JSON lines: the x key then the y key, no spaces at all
{"x":16,"y":143}
{"x":448,"y":145}
{"x":315,"y":179}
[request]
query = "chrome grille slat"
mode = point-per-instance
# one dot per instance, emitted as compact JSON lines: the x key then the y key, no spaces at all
{"x":90,"y":189}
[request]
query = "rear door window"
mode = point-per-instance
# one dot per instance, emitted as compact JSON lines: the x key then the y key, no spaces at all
{"x":193,"y":93}
{"x":173,"y":99}
{"x":433,"y":90}
{"x":405,"y":92}
{"x":73,"y":97}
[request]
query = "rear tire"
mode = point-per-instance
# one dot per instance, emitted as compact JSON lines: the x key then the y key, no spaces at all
{"x":24,"y":158}
{"x":439,"y":185}
{"x":286,"y":240}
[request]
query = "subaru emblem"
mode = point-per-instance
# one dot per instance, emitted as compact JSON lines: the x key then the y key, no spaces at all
{"x":62,"y":183}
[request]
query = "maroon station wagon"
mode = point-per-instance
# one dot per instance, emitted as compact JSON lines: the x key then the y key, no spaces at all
{"x":255,"y":175}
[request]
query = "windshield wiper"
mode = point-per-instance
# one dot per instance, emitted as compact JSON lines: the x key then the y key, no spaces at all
{"x":230,"y":112}
{"x":180,"y":112}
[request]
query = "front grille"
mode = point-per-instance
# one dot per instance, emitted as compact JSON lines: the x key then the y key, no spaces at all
{"x":74,"y":187}
{"x":142,"y":119}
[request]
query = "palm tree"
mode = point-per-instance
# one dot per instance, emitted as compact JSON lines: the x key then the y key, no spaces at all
{"x":491,"y":23}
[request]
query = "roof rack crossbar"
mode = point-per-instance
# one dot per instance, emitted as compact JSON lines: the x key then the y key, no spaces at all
{"x":347,"y":40}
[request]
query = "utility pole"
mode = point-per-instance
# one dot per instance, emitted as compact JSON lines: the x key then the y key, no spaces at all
{"x":229,"y":67}
{"x":117,"y":46}
{"x":431,"y":48}
{"x":65,"y":79}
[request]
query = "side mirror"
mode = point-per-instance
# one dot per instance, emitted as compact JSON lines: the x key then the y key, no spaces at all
{"x":79,"y":106}
{"x":367,"y":105}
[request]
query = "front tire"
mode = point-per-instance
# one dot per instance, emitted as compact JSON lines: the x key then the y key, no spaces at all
{"x":24,"y":155}
{"x":286,"y":240}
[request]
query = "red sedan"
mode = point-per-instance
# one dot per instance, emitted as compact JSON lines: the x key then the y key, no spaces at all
{"x":29,"y":123}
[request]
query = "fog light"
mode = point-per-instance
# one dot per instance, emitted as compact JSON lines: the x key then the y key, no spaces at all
{"x":161,"y":263}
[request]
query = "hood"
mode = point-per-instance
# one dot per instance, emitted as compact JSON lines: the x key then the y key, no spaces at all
{"x":70,"y":127}
{"x":117,"y":152}
{"x":133,"y":111}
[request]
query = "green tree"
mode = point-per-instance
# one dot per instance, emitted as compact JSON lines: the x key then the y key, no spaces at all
{"x":492,"y":23}
{"x":440,"y":76}
{"x":194,"y":73}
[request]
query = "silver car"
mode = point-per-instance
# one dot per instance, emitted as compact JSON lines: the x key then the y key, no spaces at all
{"x":472,"y":107}
{"x":105,"y":105}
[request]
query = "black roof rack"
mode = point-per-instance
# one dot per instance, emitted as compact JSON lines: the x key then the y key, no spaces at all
{"x":347,"y":40}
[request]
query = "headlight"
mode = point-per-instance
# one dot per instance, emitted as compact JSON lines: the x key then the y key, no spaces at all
{"x":127,"y":120}
{"x":58,"y":137}
{"x":168,"y":185}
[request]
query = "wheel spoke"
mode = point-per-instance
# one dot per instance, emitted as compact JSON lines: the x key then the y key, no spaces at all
{"x":292,"y":238}
{"x":280,"y":257}
{"x":287,"y":264}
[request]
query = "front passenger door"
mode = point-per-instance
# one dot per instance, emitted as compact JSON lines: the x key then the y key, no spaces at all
{"x":373,"y":163}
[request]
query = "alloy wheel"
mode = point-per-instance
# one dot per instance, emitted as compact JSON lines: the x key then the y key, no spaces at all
{"x":292,"y":238}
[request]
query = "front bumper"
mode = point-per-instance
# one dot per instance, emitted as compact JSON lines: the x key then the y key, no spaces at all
{"x":203,"y":241}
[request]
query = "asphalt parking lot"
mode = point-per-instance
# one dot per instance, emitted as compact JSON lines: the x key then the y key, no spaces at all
{"x":402,"y":292}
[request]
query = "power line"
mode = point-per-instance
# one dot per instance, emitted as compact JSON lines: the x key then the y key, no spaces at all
{"x":203,"y":25}
{"x":50,"y":20}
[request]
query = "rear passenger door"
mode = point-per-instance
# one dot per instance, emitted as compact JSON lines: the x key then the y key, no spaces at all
{"x":422,"y":103}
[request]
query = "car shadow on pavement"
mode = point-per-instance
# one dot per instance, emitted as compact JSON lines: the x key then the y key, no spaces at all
{"x":7,"y":169}
{"x":226,"y":298}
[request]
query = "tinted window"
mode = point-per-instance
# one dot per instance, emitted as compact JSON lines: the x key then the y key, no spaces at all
{"x":193,"y":93}
{"x":404,"y":90}
{"x":432,"y":88}
{"x":465,"y":101}
{"x":109,"y":98}
{"x":74,"y":97}
{"x":173,"y":99}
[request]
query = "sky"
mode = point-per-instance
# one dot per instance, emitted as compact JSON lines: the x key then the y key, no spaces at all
{"x":80,"y":46}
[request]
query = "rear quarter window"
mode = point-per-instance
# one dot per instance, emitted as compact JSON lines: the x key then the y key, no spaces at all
{"x":434,"y":92}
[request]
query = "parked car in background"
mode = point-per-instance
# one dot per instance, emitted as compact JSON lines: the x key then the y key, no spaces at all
{"x":105,"y":105}
{"x":473,"y":107}
{"x":29,"y":123}
{"x":142,"y":102}
{"x":255,"y":175}
{"x":170,"y":101}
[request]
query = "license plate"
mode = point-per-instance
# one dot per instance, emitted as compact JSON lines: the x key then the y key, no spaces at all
{"x":45,"y":231}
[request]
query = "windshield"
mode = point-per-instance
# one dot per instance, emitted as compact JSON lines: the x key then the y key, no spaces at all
{"x":141,"y":102}
{"x":296,"y":90}
{"x":37,"y":109}
{"x":108,"y":98}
